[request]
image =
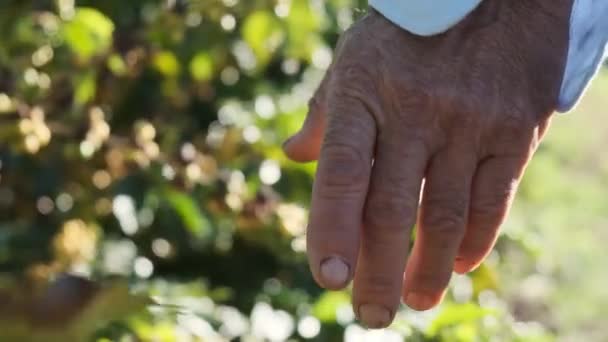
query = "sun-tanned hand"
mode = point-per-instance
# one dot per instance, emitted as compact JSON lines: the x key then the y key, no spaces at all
{"x":464,"y":111}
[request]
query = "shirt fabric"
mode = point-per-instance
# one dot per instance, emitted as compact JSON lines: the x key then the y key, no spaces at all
{"x":587,"y":50}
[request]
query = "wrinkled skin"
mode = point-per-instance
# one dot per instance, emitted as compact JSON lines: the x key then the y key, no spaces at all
{"x":464,"y":111}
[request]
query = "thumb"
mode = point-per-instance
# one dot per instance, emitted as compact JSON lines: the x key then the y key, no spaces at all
{"x":305,"y":145}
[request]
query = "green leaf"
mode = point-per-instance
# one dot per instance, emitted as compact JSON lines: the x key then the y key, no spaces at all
{"x":263,"y":32}
{"x":455,"y":314}
{"x":117,"y":65}
{"x":201,"y":67}
{"x":167,"y":64}
{"x":86,"y":87}
{"x":325,"y":309}
{"x":302,"y":29}
{"x":191,"y":215}
{"x":465,"y":332}
{"x":160,"y":331}
{"x":484,"y":278}
{"x":88,"y":33}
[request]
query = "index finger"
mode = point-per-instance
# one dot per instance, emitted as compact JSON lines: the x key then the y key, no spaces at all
{"x":339,"y":191}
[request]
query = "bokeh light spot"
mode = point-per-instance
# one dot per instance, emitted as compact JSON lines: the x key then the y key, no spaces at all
{"x":270,"y":172}
{"x":309,"y":327}
{"x":143,"y":267}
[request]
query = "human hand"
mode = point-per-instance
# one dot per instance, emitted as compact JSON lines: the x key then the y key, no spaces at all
{"x":464,"y":111}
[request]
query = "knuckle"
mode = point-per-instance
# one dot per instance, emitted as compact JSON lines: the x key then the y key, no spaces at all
{"x":492,"y":203}
{"x":443,"y":211}
{"x":316,"y":104}
{"x":354,"y":74}
{"x":318,"y":101}
{"x":342,"y":171}
{"x":390,"y":211}
{"x":444,"y":218}
{"x":432,"y":279}
{"x":518,"y":129}
{"x":379,"y":284}
{"x":514,"y":130}
{"x":354,"y":86}
{"x":357,"y":96}
{"x":443,"y":237}
{"x":442,"y":223}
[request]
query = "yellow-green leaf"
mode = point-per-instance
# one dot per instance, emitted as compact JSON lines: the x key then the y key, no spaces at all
{"x":201,"y":67}
{"x":302,"y":29}
{"x":325,"y":309}
{"x":117,"y":65}
{"x":191,"y":215}
{"x":263,"y":32}
{"x":88,"y":33}
{"x":167,"y":64}
{"x":86,"y":87}
{"x":457,"y":314}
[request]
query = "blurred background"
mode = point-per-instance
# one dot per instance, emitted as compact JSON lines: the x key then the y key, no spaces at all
{"x":140,"y":153}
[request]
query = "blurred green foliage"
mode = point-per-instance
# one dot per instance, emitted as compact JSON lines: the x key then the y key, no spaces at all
{"x":141,"y":150}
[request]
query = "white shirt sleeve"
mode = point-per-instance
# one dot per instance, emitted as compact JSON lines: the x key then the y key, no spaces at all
{"x":587,"y":50}
{"x":425,"y":17}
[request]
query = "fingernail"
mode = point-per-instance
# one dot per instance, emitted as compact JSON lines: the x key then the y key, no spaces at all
{"x":374,"y":316}
{"x":419,"y":301}
{"x":335,"y":272}
{"x":461,"y":267}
